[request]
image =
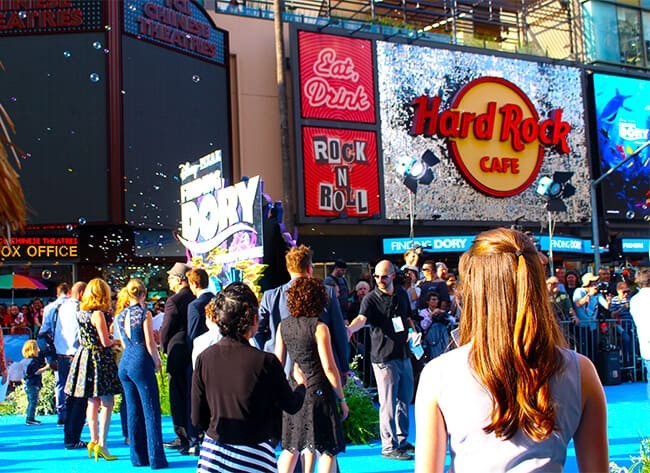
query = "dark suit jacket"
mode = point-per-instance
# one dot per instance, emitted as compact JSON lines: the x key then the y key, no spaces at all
{"x":239,"y":393}
{"x":173,"y":332}
{"x":196,"y":318}
{"x":273,"y":309}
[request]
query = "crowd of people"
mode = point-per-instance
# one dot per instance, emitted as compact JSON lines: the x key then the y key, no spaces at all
{"x":497,"y":375}
{"x":25,"y":319}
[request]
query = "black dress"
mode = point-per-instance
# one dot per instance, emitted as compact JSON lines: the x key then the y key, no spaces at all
{"x":317,"y":425}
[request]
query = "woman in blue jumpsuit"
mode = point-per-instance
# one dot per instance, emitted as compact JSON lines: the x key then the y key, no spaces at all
{"x":139,"y":362}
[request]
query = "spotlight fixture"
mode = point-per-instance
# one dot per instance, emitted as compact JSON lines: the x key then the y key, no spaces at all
{"x":418,"y":171}
{"x":556,"y":189}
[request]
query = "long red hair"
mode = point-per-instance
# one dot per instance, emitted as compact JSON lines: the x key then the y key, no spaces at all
{"x":507,"y":317}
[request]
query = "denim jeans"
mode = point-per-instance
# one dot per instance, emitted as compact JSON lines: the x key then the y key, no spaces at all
{"x":32,"y":400}
{"x":395,"y":391}
{"x":61,"y":376}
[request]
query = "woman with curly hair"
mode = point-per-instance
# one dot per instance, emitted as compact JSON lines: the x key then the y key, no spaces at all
{"x":512,"y":396}
{"x":93,"y":372}
{"x":239,"y":392}
{"x":317,"y":426}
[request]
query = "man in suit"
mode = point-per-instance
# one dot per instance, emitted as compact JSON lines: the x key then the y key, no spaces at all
{"x":273,"y":309}
{"x":198,"y":281}
{"x":173,"y":339}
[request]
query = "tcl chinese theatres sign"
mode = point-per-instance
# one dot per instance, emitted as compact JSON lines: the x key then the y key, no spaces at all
{"x":19,"y":17}
{"x":336,"y":78}
{"x":340,"y":172}
{"x":494,"y":134}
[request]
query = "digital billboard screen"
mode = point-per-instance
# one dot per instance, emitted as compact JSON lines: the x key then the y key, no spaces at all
{"x":176,"y":110}
{"x":623,"y":125}
{"x":54,"y":89}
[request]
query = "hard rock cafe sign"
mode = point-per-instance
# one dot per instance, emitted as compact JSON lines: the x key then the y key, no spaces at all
{"x":494,"y":134}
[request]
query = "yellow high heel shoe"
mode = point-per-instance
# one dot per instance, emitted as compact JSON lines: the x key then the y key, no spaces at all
{"x":99,"y":452}
{"x":91,"y":448}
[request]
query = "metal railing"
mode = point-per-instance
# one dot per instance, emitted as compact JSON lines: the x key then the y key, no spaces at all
{"x":550,"y":28}
{"x":610,"y":344}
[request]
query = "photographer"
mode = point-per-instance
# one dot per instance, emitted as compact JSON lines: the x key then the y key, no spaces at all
{"x":407,"y":277}
{"x":434,"y":323}
{"x":588,"y":303}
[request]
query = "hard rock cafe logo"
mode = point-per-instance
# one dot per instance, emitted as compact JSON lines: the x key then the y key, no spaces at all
{"x":494,"y":134}
{"x":320,"y":92}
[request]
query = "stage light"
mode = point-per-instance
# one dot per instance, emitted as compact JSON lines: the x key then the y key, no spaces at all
{"x":418,"y":170}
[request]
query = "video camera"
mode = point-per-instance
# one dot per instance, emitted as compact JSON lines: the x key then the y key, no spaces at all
{"x":603,"y":288}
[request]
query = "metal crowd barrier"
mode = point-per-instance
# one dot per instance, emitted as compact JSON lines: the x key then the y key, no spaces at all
{"x":611,"y":344}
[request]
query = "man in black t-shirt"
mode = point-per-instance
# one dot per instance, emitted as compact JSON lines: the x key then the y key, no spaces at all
{"x":386,"y":309}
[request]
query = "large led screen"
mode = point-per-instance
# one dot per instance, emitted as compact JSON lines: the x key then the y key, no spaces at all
{"x":175,"y":111}
{"x":54,"y":89}
{"x":623,"y":124}
{"x":486,"y":127}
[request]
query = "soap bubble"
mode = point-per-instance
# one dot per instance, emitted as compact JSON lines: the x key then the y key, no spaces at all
{"x":13,"y":99}
{"x":630,"y":214}
{"x":196,"y":78}
{"x":97,"y":45}
{"x":22,"y":15}
{"x":94,"y":77}
{"x":82,"y":221}
{"x":67,"y":54}
{"x":46,"y":274}
{"x":69,"y":227}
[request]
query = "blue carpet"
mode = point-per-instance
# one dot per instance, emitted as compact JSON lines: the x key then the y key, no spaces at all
{"x":40,"y":448}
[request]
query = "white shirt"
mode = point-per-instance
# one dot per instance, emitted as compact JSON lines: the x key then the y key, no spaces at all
{"x":640,"y":310}
{"x":66,"y":335}
{"x":157,"y":321}
{"x":204,"y":341}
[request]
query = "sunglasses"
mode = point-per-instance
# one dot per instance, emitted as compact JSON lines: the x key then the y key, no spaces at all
{"x":382,"y":276}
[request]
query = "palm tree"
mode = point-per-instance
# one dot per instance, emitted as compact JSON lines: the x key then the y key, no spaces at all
{"x":12,"y":199}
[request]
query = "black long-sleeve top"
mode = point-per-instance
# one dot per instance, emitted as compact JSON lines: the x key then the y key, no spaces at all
{"x":239,"y":393}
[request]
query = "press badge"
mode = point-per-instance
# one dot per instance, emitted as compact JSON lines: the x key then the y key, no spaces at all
{"x":398,"y":325}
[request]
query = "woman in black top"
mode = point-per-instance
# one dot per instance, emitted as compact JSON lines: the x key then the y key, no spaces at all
{"x":239,"y":392}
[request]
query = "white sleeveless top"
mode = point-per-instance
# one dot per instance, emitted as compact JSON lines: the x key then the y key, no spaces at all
{"x":465,"y":406}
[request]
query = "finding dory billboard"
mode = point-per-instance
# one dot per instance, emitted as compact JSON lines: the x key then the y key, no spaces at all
{"x":623,"y":125}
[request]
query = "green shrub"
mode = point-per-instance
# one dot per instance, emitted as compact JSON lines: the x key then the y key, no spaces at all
{"x":640,"y":464}
{"x":362,"y":424}
{"x":16,"y":402}
{"x":163,"y":386}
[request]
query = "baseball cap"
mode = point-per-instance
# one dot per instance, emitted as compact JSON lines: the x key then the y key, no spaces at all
{"x":339,"y":263}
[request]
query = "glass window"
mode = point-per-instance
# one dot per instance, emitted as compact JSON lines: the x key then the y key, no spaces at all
{"x":629,"y":36}
{"x":601,"y":36}
{"x":646,"y":35}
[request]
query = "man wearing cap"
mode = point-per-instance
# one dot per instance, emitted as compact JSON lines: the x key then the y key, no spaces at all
{"x":173,"y":340}
{"x":586,"y":300}
{"x":337,"y":276}
{"x":432,"y":282}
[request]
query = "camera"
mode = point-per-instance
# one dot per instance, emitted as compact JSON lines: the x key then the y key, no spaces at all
{"x":603,"y":288}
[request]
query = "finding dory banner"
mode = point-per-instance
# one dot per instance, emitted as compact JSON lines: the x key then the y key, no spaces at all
{"x":623,"y":121}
